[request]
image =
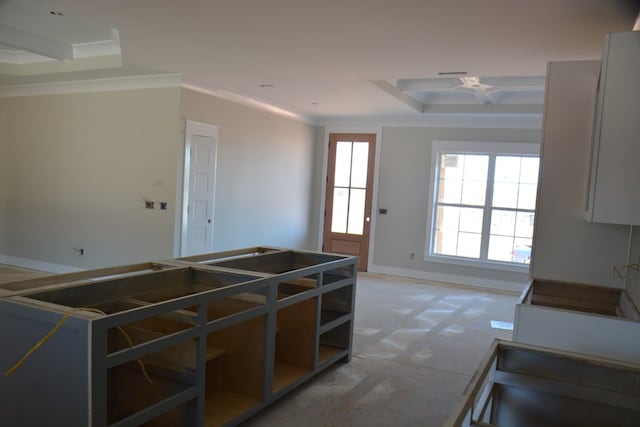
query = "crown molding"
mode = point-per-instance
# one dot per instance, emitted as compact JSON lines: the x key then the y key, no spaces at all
{"x":451,"y":120}
{"x":95,"y":85}
{"x":250,"y":102}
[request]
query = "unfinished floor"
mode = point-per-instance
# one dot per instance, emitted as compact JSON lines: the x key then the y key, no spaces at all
{"x":416,"y":346}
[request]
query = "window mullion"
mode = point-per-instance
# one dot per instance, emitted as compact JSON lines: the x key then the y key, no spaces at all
{"x":486,"y":217}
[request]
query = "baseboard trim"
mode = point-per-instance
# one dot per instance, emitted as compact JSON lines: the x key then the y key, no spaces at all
{"x":475,"y":282}
{"x":33,"y":264}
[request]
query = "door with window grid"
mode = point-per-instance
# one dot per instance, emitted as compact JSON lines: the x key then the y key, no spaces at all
{"x":347,"y":220}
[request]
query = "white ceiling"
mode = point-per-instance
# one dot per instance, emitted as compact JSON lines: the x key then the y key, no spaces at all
{"x":330,"y":59}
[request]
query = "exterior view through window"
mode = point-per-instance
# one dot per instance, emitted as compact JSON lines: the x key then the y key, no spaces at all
{"x":350,"y":184}
{"x":484,"y":205}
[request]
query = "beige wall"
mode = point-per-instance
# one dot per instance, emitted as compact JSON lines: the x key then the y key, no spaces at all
{"x":4,"y":180}
{"x":265,"y":187}
{"x":77,"y":164}
{"x":403,"y":190}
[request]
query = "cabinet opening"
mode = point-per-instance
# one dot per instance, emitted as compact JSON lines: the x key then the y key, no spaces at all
{"x":333,"y":342}
{"x":139,"y":384}
{"x":295,"y":332}
{"x":297,"y":286}
{"x":234,"y":370}
{"x":336,"y":304}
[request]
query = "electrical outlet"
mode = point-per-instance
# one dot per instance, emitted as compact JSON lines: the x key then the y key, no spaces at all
{"x":412,"y":256}
{"x":163,"y":206}
{"x":148,"y":204}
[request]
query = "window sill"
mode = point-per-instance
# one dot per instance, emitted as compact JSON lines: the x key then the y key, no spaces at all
{"x":475,"y":263}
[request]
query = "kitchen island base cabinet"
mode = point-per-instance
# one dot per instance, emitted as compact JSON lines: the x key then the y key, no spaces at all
{"x":175,"y":343}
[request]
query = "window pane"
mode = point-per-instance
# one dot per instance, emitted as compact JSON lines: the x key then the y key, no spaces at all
{"x":500,"y":248}
{"x":469,"y":245}
{"x":473,"y":192}
{"x":343,"y":164}
{"x":476,"y":167}
{"x":450,"y":191}
{"x":529,"y":170}
{"x":503,"y":223}
{"x":507,"y":169}
{"x":446,"y":230}
{"x":527,"y":196}
{"x":340,"y":209}
{"x":505,"y":195}
{"x":356,"y":211}
{"x":451,"y":166}
{"x":521,"y":251}
{"x":524,"y":224}
{"x":359,"y":164}
{"x":450,"y":176}
{"x":471,"y":220}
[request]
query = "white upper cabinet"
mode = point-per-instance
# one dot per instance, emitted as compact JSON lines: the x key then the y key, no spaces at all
{"x":614,"y":192}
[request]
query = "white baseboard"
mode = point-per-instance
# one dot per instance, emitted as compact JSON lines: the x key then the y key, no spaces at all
{"x":33,"y":264}
{"x":497,"y":285}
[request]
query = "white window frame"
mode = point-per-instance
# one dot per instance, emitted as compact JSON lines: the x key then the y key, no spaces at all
{"x":469,"y":147}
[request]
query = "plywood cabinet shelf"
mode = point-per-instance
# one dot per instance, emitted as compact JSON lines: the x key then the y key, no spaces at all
{"x":176,"y":342}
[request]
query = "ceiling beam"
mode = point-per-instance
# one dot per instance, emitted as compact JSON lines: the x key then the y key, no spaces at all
{"x":396,"y":93}
{"x":30,"y":42}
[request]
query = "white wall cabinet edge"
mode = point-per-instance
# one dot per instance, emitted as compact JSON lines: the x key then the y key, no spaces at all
{"x":614,"y":195}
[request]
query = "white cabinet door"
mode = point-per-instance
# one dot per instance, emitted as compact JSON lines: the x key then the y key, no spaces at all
{"x":614,"y":195}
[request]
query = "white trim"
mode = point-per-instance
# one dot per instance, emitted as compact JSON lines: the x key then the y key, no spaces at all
{"x":98,"y":85}
{"x":248,"y":101}
{"x":460,"y":120}
{"x":478,"y":263}
{"x":192,"y":127}
{"x":32,"y":264}
{"x":505,"y":147}
{"x":496,"y":285}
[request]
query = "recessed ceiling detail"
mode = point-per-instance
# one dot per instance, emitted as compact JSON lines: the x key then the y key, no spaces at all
{"x":524,"y":93}
{"x":41,"y":41}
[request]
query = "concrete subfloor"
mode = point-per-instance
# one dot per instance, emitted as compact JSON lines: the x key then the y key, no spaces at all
{"x":416,"y":346}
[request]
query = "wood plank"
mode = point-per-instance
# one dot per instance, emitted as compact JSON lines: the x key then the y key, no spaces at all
{"x":222,"y":406}
{"x":589,"y":306}
{"x":284,"y":374}
{"x":304,"y":282}
{"x":62,"y":279}
{"x":326,"y":352}
{"x":576,"y":291}
{"x":568,"y":389}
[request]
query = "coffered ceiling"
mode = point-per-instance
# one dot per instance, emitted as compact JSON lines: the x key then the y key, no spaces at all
{"x":316,"y":60}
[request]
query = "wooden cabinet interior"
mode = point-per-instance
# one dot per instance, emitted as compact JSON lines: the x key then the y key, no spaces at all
{"x":186,"y":342}
{"x":526,"y":386}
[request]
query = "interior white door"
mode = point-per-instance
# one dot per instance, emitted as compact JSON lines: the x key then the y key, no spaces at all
{"x":200,"y":171}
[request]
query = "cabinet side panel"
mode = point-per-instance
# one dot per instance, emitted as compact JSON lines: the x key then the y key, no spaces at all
{"x":615,"y":198}
{"x":581,"y":333}
{"x":50,"y":388}
{"x":566,"y":246}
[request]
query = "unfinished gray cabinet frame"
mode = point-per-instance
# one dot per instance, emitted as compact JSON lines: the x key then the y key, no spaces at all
{"x":530,"y":386}
{"x":180,"y":314}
